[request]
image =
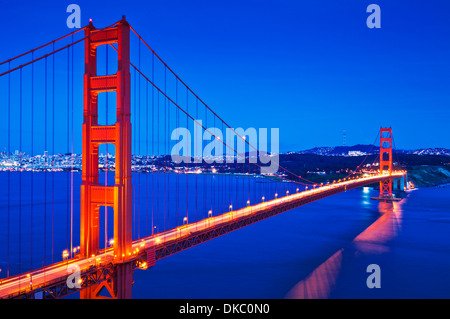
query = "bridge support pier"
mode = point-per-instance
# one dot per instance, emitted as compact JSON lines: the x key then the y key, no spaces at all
{"x":124,"y":281}
{"x":118,"y":286}
{"x":399,"y":184}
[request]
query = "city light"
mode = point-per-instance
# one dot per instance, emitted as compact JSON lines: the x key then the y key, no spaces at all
{"x":65,"y":254}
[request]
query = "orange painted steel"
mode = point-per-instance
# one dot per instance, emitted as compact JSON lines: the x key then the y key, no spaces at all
{"x":94,"y":195}
{"x":386,"y":164}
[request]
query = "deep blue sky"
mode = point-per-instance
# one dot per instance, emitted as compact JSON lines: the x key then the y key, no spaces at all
{"x":311,"y":68}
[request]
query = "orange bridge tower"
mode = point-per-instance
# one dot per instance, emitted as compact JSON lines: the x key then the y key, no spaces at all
{"x":386,"y":162}
{"x":93,"y":194}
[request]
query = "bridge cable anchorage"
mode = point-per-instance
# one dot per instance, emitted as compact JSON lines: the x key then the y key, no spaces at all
{"x":213,"y":135}
{"x":215,"y":114}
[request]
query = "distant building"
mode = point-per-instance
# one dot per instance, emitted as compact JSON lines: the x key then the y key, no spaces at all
{"x":356,"y":153}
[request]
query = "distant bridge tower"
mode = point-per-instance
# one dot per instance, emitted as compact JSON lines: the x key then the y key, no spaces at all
{"x":94,"y":195}
{"x":386,"y":162}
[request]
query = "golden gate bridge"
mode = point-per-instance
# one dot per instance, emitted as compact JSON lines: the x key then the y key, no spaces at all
{"x":151,"y":219}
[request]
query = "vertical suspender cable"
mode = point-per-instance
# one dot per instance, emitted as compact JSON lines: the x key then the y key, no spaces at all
{"x":32,"y":163}
{"x":195,"y":159}
{"x":167,"y":152}
{"x":146,"y":160}
{"x":248,"y":177}
{"x":166,"y":190}
{"x":106,"y":155}
{"x":187,"y":159}
{"x":165,"y":214}
{"x":71,"y":161}
{"x":158,"y":176}
{"x":223,"y":184}
{"x":9,"y":158}
{"x":206,"y":178}
{"x":53,"y":149}
{"x":20,"y":175}
{"x":213,"y":175}
{"x":68,"y":149}
{"x":168,"y":160}
{"x":134,"y":128}
{"x":243,"y":178}
{"x":153,"y":134}
{"x":46,"y":162}
{"x":236,"y":180}
{"x":176,"y":173}
{"x":139,"y":142}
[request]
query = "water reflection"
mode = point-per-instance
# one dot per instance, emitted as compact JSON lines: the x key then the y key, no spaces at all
{"x":373,"y":240}
{"x":366,"y":196}
{"x":320,"y":282}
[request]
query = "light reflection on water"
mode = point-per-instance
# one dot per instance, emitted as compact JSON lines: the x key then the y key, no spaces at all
{"x":320,"y":250}
{"x":366,"y":196}
{"x":320,"y":283}
{"x":373,"y":239}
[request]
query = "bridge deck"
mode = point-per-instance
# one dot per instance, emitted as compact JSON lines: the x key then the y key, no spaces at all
{"x":52,"y":279}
